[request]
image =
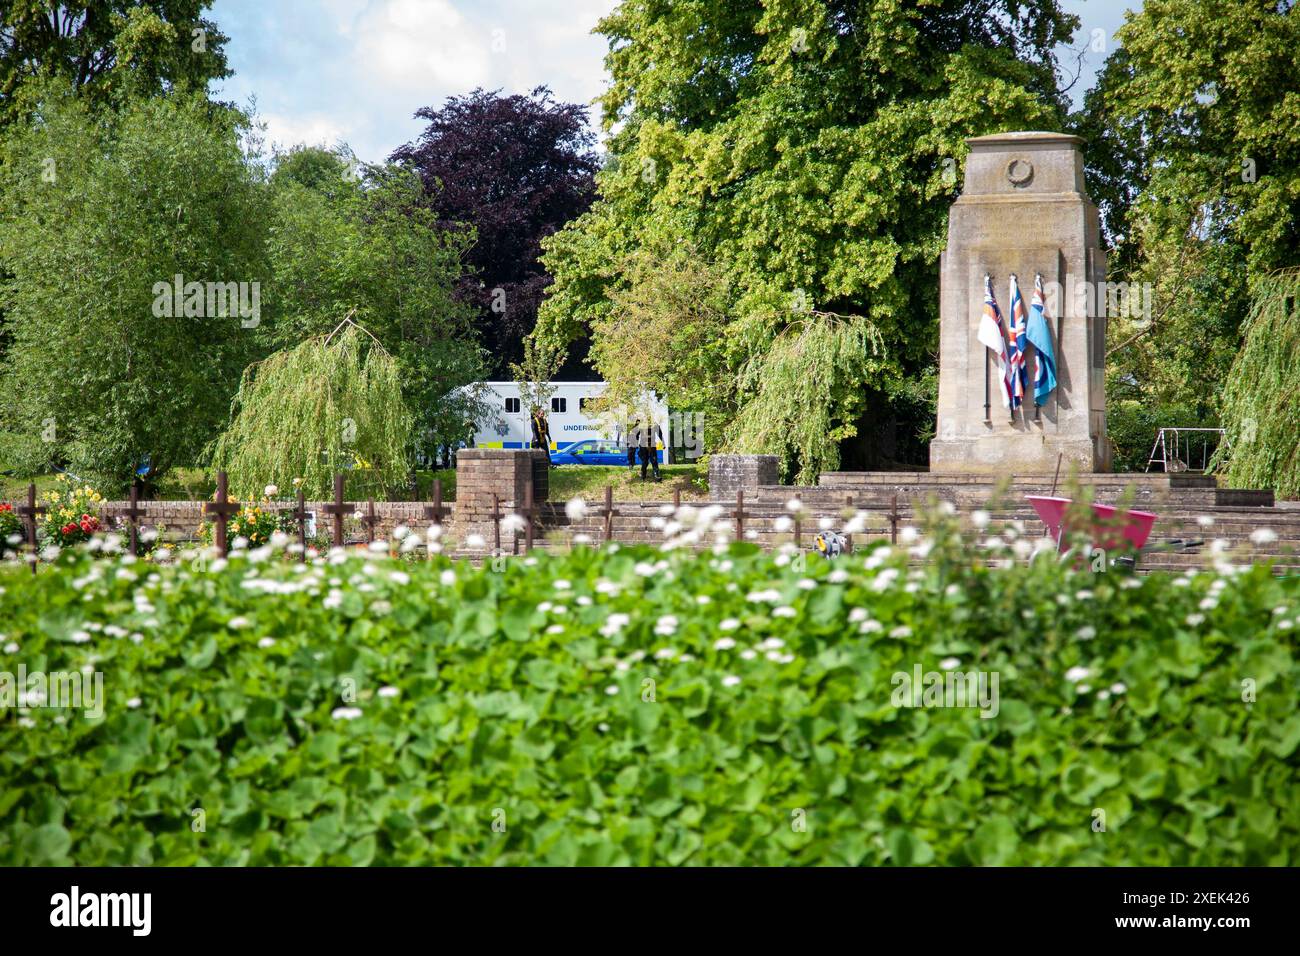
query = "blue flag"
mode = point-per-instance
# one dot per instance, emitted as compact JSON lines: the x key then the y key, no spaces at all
{"x":1039,"y":334}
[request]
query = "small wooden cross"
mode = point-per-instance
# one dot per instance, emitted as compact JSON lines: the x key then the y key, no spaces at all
{"x":609,"y":512}
{"x":496,"y":524}
{"x":437,"y":511}
{"x":301,"y":515}
{"x":337,"y":509}
{"x":529,"y":513}
{"x":893,"y":520}
{"x":132,"y":514}
{"x":29,"y":512}
{"x":798,"y":526}
{"x":223,"y":508}
{"x":739,"y":515}
{"x":370,"y":519}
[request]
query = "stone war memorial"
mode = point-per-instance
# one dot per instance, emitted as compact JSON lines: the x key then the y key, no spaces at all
{"x":1023,"y":212}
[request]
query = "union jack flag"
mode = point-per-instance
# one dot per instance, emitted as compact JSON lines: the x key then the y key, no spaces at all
{"x":1016,"y":343}
{"x":994,"y":338}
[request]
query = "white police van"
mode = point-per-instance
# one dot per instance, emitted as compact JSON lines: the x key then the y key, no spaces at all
{"x":570,"y":418}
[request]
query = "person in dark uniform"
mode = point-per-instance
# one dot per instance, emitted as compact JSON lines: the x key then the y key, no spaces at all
{"x":633,"y":430}
{"x":542,"y":434}
{"x":648,"y":438}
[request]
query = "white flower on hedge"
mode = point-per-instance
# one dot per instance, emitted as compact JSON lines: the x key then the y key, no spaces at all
{"x":770,"y":596}
{"x":614,"y":623}
{"x":1082,"y":688}
{"x":857,"y":615}
{"x":772,"y":643}
{"x":1263,"y":536}
{"x":266,"y":642}
{"x":388,"y":691}
{"x":1205,"y":521}
{"x":644,"y":568}
{"x":794,"y":504}
{"x":475,"y":542}
{"x":79,"y":637}
{"x":666,"y":625}
{"x":979,"y":519}
{"x":512,"y":523}
{"x":134,"y":702}
{"x":611,"y":690}
{"x":560,"y":584}
{"x":724,"y":643}
{"x":400,"y":577}
{"x":748,"y":654}
{"x":1118,"y":687}
{"x":871,"y":626}
{"x":665,"y":653}
{"x":447,"y":578}
{"x":12,"y":647}
{"x":1086,"y":633}
{"x":784,"y":611}
{"x":555,"y":629}
{"x":1076,"y":674}
{"x":885,"y":579}
{"x":909,"y":535}
{"x":731,"y":680}
{"x":1195,"y":620}
{"x":728,"y":624}
{"x":782,"y":524}
{"x":1208,"y":604}
{"x":1285,"y":625}
{"x":807,"y":584}
{"x":236,"y":623}
{"x":333,"y":599}
{"x":346,"y":713}
{"x":949,"y":663}
{"x":434,"y":532}
{"x":857,"y":524}
{"x":901,"y":631}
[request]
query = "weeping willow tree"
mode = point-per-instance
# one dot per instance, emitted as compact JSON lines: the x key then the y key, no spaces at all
{"x":805,"y":392}
{"x":332,"y":403}
{"x":1261,"y":398}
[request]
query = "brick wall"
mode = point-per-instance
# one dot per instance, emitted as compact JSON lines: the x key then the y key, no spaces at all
{"x":731,"y":473}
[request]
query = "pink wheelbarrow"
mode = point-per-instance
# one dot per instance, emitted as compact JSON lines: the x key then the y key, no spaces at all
{"x":1108,"y":533}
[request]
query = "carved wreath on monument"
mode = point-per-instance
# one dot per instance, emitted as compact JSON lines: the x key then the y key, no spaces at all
{"x":1020,"y":172}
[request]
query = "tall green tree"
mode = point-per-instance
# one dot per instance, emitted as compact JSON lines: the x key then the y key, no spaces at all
{"x":810,"y":149}
{"x":106,"y":49}
{"x":99,"y":213}
{"x":367,"y":242}
{"x":1194,"y":155}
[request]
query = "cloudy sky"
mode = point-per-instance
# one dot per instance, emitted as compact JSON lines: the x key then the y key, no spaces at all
{"x":354,"y":71}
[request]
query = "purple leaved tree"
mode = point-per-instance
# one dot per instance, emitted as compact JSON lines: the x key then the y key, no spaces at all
{"x":516,"y":168}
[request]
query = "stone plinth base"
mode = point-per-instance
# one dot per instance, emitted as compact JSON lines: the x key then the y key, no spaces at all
{"x":731,"y":473}
{"x":482,"y":473}
{"x":1025,"y":452}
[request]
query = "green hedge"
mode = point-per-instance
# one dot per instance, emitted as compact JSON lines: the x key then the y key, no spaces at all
{"x":519,"y":733}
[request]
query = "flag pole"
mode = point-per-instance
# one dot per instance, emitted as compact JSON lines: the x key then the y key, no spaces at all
{"x":987,"y":414}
